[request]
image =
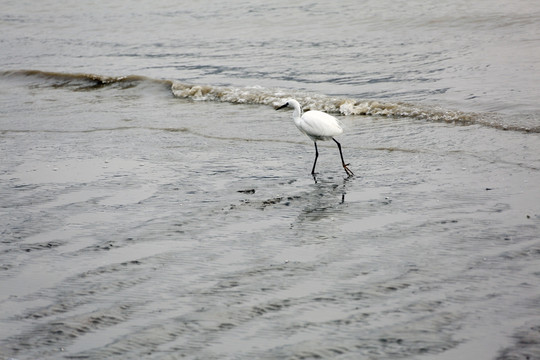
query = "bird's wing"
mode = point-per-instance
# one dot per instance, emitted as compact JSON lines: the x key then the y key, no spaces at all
{"x":319,"y":124}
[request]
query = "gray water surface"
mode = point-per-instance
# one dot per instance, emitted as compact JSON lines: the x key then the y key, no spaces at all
{"x":136,"y":224}
{"x":154,"y":205}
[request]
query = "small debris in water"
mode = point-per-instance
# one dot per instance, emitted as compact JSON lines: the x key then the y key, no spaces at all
{"x":247,"y":191}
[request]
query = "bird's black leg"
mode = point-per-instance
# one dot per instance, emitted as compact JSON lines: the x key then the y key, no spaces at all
{"x":316,"y":156}
{"x":349,"y":172}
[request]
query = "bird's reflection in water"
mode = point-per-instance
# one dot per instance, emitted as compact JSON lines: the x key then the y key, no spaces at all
{"x":324,"y":200}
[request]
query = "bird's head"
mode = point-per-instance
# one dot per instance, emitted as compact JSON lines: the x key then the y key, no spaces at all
{"x":283,"y":106}
{"x":292,"y":104}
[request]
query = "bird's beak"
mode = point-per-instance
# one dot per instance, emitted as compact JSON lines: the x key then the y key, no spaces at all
{"x":282,"y":106}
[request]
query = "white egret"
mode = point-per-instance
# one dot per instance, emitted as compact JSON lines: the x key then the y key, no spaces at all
{"x":317,"y":125}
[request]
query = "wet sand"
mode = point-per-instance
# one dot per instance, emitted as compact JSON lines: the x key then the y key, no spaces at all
{"x":136,"y":224}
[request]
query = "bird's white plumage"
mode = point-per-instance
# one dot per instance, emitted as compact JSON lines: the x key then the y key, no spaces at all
{"x":318,"y":125}
{"x":315,"y":124}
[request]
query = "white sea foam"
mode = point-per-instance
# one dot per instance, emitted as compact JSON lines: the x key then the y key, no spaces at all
{"x":336,"y":105}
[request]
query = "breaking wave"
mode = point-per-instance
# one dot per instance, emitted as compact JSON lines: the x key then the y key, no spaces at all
{"x":257,"y":95}
{"x":336,"y":105}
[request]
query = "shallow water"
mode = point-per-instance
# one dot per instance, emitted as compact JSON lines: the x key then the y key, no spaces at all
{"x":142,"y":228}
{"x":171,"y":214}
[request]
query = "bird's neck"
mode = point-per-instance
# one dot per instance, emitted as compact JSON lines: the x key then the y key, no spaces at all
{"x":297,"y":111}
